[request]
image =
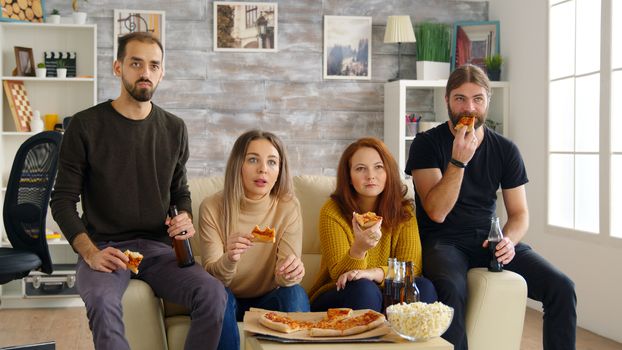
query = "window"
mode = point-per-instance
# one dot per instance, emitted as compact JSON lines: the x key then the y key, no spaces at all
{"x":585,"y":166}
{"x":251,"y":16}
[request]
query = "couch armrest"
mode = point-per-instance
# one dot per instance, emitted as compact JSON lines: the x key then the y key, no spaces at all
{"x":495,"y":310}
{"x":143,"y":318}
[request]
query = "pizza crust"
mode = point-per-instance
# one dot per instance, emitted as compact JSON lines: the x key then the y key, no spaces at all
{"x":134,"y":260}
{"x":265,"y":235}
{"x":340,"y":322}
{"x":367,"y":220}
{"x":466,"y":121}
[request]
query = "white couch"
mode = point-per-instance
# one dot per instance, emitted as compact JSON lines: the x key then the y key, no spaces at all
{"x":495,"y":308}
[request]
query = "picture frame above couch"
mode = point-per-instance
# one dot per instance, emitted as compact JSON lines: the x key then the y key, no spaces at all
{"x":246,"y":26}
{"x":347,"y":47}
{"x":473,"y":41}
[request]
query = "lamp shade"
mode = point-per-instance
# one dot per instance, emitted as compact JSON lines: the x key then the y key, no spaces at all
{"x":399,"y":30}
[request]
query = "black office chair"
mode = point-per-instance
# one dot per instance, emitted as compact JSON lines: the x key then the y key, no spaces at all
{"x":25,"y":207}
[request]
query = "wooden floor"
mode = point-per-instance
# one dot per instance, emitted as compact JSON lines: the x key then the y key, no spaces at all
{"x":70,"y":329}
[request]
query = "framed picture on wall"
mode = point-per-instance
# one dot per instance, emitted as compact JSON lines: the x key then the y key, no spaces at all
{"x":25,"y":61}
{"x":22,"y":11}
{"x":347,"y":47}
{"x":472,"y":42}
{"x":129,"y":21}
{"x":246,"y":26}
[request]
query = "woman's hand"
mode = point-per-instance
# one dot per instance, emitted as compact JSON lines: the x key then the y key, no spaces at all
{"x":364,"y":239}
{"x":374,"y":274}
{"x":238,"y":244}
{"x":291,"y":269}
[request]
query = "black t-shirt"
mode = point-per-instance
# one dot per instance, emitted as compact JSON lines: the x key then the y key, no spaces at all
{"x":496,"y":162}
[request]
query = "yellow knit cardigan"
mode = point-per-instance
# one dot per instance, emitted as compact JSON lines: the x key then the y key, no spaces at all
{"x":336,"y":237}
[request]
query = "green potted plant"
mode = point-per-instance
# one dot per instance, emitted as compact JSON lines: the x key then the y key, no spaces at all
{"x":61,"y":69}
{"x":54,"y":17}
{"x":41,"y":70}
{"x":79,"y":17}
{"x":433,"y":50}
{"x":493,"y":66}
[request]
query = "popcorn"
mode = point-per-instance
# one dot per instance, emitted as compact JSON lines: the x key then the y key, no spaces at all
{"x":420,"y":321}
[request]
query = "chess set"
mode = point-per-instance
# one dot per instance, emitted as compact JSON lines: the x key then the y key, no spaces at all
{"x":19,"y":104}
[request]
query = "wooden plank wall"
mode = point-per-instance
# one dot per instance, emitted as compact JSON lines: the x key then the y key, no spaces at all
{"x":222,"y":94}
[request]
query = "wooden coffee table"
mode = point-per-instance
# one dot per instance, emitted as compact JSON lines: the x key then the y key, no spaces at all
{"x":252,"y":343}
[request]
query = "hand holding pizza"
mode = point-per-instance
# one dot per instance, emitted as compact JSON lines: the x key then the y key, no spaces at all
{"x":365,"y":238}
{"x":180,"y":224}
{"x":108,"y":259}
{"x":465,"y":144}
{"x":237,"y":244}
{"x":291,"y":269}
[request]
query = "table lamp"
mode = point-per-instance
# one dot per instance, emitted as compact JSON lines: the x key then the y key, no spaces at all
{"x":399,"y":30}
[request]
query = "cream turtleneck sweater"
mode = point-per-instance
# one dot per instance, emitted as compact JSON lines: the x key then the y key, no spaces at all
{"x":254,"y":274}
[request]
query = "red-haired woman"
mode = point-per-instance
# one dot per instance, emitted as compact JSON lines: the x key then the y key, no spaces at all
{"x":354,"y":260}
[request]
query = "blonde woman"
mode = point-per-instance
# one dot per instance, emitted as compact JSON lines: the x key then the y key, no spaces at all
{"x":258,"y":191}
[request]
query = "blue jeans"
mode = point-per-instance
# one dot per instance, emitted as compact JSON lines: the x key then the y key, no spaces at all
{"x":286,"y":299}
{"x":365,"y":294}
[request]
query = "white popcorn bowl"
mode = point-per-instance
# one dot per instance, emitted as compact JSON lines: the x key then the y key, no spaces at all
{"x":418,"y":322}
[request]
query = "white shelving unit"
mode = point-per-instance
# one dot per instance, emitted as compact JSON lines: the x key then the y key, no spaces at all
{"x":398,"y":96}
{"x":63,"y":96}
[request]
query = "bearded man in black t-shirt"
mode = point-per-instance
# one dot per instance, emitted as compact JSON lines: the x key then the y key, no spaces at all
{"x":456,"y":174}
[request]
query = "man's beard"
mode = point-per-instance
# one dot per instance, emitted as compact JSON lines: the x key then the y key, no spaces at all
{"x":480,"y":119}
{"x":140,"y":94}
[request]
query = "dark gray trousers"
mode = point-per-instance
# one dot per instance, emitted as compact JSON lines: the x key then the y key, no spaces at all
{"x":191,"y":287}
{"x":447,"y":261}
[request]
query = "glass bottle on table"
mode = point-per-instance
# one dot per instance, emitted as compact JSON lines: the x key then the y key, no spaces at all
{"x":398,"y":282}
{"x":387,"y":292}
{"x":183,"y":250}
{"x":411,"y":291}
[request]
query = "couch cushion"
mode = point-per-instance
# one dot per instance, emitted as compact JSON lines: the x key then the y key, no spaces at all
{"x":200,"y":188}
{"x":312,"y":192}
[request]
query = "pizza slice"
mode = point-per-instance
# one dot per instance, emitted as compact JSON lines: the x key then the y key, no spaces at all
{"x":283,"y":324}
{"x":468,"y":121}
{"x":336,"y":314}
{"x":348,"y":326}
{"x":367,"y":220}
{"x":135,"y":259}
{"x":267,"y":235}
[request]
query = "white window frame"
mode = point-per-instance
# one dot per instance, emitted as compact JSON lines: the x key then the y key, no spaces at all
{"x":605,"y":152}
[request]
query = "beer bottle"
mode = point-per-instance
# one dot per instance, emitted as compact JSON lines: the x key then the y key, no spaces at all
{"x":411,"y":291}
{"x":183,"y":250}
{"x":398,"y":283}
{"x":494,"y":236}
{"x":387,"y":293}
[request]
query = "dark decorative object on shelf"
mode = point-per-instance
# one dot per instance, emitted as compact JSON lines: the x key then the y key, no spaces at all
{"x":53,"y":57}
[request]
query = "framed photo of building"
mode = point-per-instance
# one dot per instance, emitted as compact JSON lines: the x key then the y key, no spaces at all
{"x":347,"y":47}
{"x":472,"y":42}
{"x":25,"y":61}
{"x":129,"y":21}
{"x":245,"y":26}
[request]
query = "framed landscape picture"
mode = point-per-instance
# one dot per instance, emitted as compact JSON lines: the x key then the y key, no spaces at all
{"x":129,"y":21}
{"x":245,"y":26}
{"x":472,"y":42}
{"x":347,"y":47}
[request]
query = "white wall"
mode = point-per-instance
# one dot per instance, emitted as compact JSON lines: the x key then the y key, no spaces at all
{"x":595,"y":264}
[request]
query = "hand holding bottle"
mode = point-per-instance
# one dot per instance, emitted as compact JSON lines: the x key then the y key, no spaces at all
{"x":180,"y":233}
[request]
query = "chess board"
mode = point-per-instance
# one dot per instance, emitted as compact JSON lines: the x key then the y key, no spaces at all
{"x":19,"y":104}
